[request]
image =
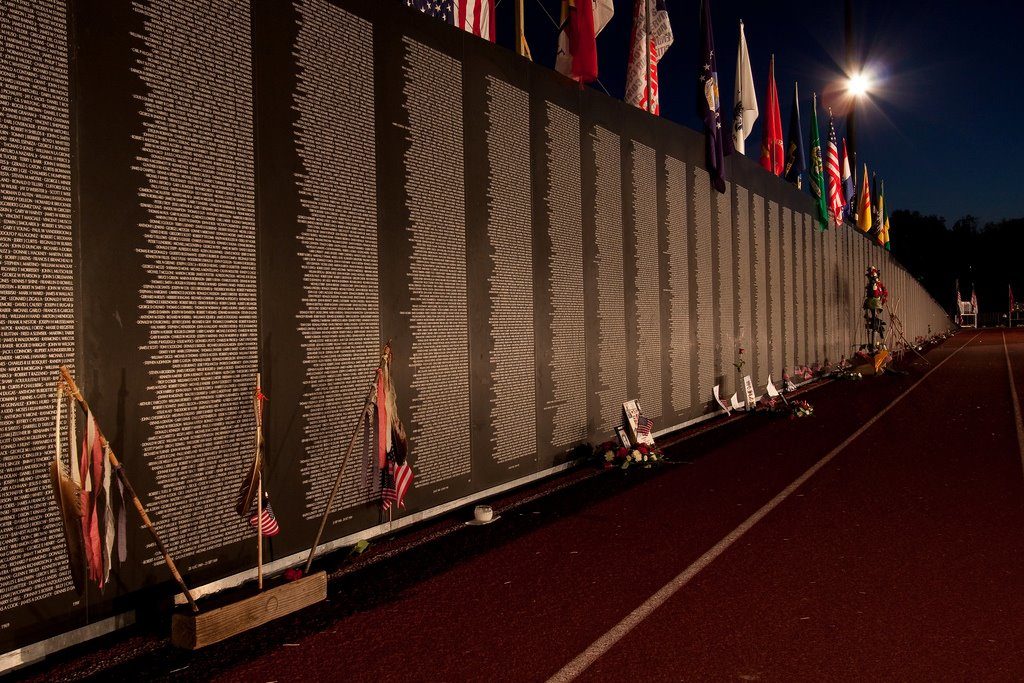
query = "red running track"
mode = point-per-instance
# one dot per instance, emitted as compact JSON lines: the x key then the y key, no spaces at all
{"x":900,"y":558}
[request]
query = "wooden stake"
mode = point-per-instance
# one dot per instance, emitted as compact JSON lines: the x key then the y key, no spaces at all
{"x":371,"y":394}
{"x":259,"y":532}
{"x":73,"y":388}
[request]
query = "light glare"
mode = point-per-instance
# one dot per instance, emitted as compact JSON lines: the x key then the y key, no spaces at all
{"x":858,"y":85}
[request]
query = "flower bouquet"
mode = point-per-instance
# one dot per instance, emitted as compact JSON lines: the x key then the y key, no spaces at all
{"x":611,"y":454}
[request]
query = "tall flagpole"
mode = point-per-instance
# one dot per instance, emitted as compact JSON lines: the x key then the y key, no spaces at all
{"x":520,"y":30}
{"x":647,"y":49}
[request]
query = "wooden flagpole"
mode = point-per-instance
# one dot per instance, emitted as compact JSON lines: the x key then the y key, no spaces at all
{"x":370,"y":396}
{"x":259,"y":485}
{"x":70,"y":382}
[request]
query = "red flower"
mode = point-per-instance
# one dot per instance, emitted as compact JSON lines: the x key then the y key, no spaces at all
{"x":621,"y":453}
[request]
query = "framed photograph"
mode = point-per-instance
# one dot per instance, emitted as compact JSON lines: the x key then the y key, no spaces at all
{"x":623,"y":437}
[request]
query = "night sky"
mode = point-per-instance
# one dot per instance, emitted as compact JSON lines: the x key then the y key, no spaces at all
{"x":942,"y":127}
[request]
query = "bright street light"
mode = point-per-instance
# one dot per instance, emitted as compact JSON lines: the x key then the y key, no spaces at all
{"x":858,"y":84}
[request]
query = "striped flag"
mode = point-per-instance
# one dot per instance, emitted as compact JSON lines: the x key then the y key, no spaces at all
{"x":268,"y":521}
{"x":835,"y":181}
{"x":644,"y":425}
{"x":652,"y":37}
{"x":474,"y":16}
{"x":395,"y":481}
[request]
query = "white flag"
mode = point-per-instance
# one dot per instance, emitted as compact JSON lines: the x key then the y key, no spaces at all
{"x":745,"y":108}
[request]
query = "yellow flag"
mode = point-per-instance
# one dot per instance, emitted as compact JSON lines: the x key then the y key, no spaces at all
{"x":864,"y":204}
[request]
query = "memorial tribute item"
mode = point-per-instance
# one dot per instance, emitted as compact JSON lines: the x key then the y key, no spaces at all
{"x":98,"y":444}
{"x":375,"y":396}
{"x":720,"y":402}
{"x":748,"y":387}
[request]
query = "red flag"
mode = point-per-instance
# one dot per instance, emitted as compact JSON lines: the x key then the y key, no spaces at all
{"x":577,"y":44}
{"x":772,"y":146}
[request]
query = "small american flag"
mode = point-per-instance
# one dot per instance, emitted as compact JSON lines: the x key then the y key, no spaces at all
{"x":268,"y":521}
{"x":395,"y":481}
{"x":644,"y":425}
{"x":474,"y":16}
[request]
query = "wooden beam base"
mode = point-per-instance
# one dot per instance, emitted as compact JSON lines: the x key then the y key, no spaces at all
{"x":193,"y":631}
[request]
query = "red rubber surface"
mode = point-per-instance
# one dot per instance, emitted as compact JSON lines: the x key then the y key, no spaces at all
{"x":900,"y":559}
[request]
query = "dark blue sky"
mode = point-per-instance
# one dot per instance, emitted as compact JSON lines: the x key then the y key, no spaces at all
{"x":942,"y":129}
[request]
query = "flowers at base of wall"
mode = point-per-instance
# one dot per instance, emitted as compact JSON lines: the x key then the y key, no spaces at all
{"x":611,"y":454}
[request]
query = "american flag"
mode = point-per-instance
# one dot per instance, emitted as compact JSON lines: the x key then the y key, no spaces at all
{"x":835,"y":181}
{"x":268,"y":521}
{"x":475,"y":16}
{"x":647,"y":50}
{"x":644,"y":426}
{"x":395,"y":481}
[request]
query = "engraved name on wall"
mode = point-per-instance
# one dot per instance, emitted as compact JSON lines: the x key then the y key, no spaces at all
{"x":37,"y":326}
{"x":647,"y":279}
{"x":337,"y":187}
{"x":513,"y":395}
{"x":564,"y":272}
{"x":198,"y":302}
{"x":611,"y":315}
{"x":678,"y":284}
{"x":438,"y":313}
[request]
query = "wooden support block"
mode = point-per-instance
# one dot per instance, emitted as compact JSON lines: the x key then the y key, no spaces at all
{"x":193,"y":631}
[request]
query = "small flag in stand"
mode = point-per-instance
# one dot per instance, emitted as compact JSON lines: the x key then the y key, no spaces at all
{"x":474,"y":16}
{"x":268,"y":521}
{"x":644,"y":425}
{"x":395,"y":481}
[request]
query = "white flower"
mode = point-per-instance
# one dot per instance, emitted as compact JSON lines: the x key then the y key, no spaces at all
{"x":645,"y":458}
{"x":609,"y":456}
{"x":637,"y":456}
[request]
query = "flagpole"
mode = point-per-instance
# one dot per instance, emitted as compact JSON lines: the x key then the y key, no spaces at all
{"x":351,"y":444}
{"x":259,"y":532}
{"x":520,"y":29}
{"x":647,"y":50}
{"x":105,"y":445}
{"x":259,"y":486}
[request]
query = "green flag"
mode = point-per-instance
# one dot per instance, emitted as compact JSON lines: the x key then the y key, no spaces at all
{"x":817,"y":173}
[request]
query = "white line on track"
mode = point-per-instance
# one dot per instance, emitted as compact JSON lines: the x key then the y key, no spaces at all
{"x":600,"y":646}
{"x":1016,"y":403}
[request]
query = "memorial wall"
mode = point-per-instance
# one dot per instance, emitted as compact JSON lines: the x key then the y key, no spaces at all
{"x":194,"y":193}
